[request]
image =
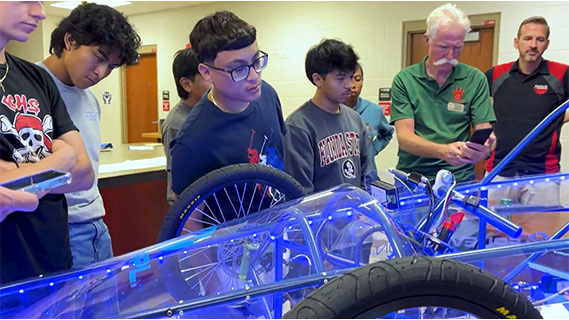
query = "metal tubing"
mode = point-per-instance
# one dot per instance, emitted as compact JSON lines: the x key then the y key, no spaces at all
{"x":310,"y":242}
{"x":278,"y":296}
{"x":525,"y":141}
{"x":561,"y":176}
{"x":391,"y":233}
{"x":482,"y":233}
{"x":210,"y":301}
{"x":491,"y":217}
{"x":501,"y":252}
{"x":560,"y":233}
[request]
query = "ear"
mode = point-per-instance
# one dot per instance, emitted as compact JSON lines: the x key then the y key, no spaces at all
{"x":516,"y":43}
{"x":186,"y":84}
{"x":68,"y":41}
{"x":426,"y":38}
{"x":546,"y":45}
{"x":205,"y":72}
{"x":317,"y":79}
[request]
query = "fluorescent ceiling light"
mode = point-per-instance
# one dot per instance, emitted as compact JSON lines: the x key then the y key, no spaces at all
{"x":73,"y":4}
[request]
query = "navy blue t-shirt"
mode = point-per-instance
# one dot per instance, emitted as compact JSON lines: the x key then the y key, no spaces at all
{"x":210,"y":138}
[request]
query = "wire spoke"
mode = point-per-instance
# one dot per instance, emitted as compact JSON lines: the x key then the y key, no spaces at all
{"x":240,"y":199}
{"x":262,"y":197}
{"x":231,"y":202}
{"x":219,"y":207}
{"x":252,"y":197}
{"x":210,"y":210}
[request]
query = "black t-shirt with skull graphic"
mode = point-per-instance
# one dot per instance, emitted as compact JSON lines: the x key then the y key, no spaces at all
{"x":32,"y":115}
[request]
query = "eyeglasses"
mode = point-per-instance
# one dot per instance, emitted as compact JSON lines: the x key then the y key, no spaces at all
{"x":242,"y":72}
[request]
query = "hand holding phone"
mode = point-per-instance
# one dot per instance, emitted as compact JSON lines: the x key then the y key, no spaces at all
{"x":40,"y":182}
{"x":481,"y":135}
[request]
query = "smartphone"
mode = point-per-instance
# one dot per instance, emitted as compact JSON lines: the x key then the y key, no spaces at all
{"x":40,"y":182}
{"x":481,"y":135}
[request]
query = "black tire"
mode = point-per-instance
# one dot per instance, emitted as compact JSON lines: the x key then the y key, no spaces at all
{"x":381,"y":288}
{"x":203,"y":188}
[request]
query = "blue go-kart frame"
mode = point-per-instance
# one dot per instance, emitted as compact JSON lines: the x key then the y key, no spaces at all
{"x":274,"y":257}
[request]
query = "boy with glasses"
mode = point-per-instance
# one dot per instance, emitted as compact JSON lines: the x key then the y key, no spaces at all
{"x":240,"y":119}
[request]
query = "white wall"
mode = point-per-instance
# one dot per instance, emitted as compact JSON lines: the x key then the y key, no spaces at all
{"x":286,"y":30}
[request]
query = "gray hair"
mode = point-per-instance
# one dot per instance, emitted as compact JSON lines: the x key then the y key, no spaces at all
{"x":446,"y":14}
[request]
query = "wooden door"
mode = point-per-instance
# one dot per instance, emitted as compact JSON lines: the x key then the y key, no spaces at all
{"x":142,"y":98}
{"x":475,"y":53}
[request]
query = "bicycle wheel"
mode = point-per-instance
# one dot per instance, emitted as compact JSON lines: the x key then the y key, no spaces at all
{"x":230,"y":192}
{"x":222,"y":195}
{"x":415,"y":287}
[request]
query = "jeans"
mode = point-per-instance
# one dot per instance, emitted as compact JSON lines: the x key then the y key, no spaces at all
{"x":90,"y":242}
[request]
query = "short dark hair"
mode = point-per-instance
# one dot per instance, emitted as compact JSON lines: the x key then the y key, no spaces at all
{"x":220,"y":31}
{"x":537,"y":20}
{"x":185,"y":65}
{"x":328,"y":56}
{"x":100,"y":25}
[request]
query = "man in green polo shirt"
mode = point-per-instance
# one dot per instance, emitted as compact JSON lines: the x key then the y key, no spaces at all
{"x":434,"y":102}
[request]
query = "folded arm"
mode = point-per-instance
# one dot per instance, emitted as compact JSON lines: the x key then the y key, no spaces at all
{"x":68,"y":154}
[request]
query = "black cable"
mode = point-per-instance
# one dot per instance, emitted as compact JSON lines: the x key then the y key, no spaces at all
{"x":431,"y":213}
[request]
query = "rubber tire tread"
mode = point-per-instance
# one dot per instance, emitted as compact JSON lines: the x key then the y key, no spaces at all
{"x":393,"y":281}
{"x":215,"y":180}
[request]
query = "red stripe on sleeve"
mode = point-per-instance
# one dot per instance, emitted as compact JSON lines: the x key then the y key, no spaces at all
{"x":551,"y":160}
{"x":557,"y":69}
{"x":501,"y":69}
{"x":490,"y":162}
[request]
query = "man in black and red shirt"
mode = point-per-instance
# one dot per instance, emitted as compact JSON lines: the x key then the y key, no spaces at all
{"x":524,"y":92}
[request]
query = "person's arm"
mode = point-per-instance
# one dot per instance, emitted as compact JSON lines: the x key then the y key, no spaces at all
{"x":482,"y":113}
{"x":299,"y":157}
{"x":68,"y":150}
{"x":62,"y":158}
{"x":82,"y":174}
{"x":168,"y":134}
{"x":402,"y":116}
{"x":566,"y":85}
{"x":186,"y":165}
{"x":365,"y":165}
{"x":384,"y":134}
{"x":11,"y":201}
{"x":68,"y":154}
{"x":412,"y":143}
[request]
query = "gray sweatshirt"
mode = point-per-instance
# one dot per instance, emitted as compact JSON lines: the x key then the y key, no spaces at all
{"x":322,"y":149}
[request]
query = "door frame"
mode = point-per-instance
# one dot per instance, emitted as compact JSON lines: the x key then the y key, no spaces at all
{"x":476,"y":21}
{"x":144,"y":49}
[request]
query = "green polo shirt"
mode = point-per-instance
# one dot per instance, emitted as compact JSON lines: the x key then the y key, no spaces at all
{"x":442,"y":115}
